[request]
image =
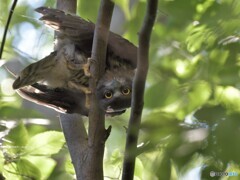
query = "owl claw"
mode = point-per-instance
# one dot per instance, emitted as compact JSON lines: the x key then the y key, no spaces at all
{"x":86,"y":67}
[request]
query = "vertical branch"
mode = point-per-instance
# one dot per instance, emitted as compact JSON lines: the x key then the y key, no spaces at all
{"x":97,"y":133}
{"x":87,"y":156}
{"x":138,"y":90}
{"x":68,"y":6}
{"x":6,"y":27}
{"x":72,"y":124}
{"x":97,"y":69}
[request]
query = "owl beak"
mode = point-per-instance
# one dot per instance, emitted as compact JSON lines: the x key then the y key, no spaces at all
{"x":111,"y":112}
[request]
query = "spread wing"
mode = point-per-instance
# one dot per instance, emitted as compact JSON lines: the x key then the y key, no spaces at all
{"x":59,"y":99}
{"x":81,"y":32}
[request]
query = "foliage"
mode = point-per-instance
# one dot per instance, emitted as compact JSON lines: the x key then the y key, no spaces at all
{"x":192,"y":108}
{"x":27,"y":157}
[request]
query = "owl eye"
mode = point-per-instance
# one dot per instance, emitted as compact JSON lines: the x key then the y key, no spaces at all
{"x":126,"y":91}
{"x":108,"y":94}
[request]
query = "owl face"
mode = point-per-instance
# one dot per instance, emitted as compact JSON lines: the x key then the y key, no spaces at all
{"x":114,"y":91}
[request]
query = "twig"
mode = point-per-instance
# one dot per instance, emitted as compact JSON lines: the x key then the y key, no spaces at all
{"x":138,"y":91}
{"x":6,"y":27}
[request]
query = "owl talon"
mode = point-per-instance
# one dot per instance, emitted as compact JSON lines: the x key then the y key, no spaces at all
{"x":86,"y":67}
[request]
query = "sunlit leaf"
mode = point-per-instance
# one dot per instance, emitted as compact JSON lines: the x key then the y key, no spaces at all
{"x":138,"y":173}
{"x":44,"y":164}
{"x":88,"y":9}
{"x":69,"y":166}
{"x":46,"y":143}
{"x":162,"y":167}
{"x":157,"y":94}
{"x":17,"y":139}
{"x":8,"y":112}
{"x":22,"y":169}
{"x":229,"y":97}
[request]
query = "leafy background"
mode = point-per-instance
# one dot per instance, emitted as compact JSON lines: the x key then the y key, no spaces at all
{"x":191,"y":120}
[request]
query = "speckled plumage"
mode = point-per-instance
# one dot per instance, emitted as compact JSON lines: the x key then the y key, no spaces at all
{"x":65,"y":68}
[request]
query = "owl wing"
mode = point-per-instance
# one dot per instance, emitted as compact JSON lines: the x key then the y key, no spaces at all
{"x":81,"y":32}
{"x":59,"y":99}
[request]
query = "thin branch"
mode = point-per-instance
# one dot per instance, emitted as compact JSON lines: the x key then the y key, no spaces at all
{"x":6,"y":27}
{"x":97,"y":133}
{"x":97,"y":69}
{"x":138,"y":91}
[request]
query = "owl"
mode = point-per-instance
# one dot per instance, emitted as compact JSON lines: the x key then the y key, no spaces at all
{"x":65,"y":72}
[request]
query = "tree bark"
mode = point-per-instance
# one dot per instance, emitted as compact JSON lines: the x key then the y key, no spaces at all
{"x":87,"y":151}
{"x":138,"y":91}
{"x":97,"y":133}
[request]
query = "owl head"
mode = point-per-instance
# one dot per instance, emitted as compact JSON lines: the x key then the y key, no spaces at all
{"x":114,"y":91}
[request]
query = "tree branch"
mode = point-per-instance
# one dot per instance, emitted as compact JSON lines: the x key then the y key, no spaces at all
{"x":97,"y":133}
{"x":72,"y":124}
{"x":68,"y":6}
{"x":97,"y":69}
{"x":6,"y":27}
{"x":138,"y":91}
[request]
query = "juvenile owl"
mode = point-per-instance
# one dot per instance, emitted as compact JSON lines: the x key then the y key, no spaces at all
{"x":67,"y":68}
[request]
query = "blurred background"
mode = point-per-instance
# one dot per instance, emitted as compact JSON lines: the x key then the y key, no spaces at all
{"x":191,"y":119}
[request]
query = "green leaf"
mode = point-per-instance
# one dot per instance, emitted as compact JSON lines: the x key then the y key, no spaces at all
{"x":10,"y":172}
{"x":17,"y":138}
{"x":45,"y":165}
{"x":46,"y":143}
{"x":229,"y":97}
{"x":138,"y":171}
{"x":88,"y":9}
{"x":1,"y":162}
{"x":199,"y":94}
{"x":162,"y":167}
{"x":157,"y":95}
{"x":22,"y":169}
{"x":9,"y":112}
{"x":116,"y":157}
{"x":69,"y":166}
